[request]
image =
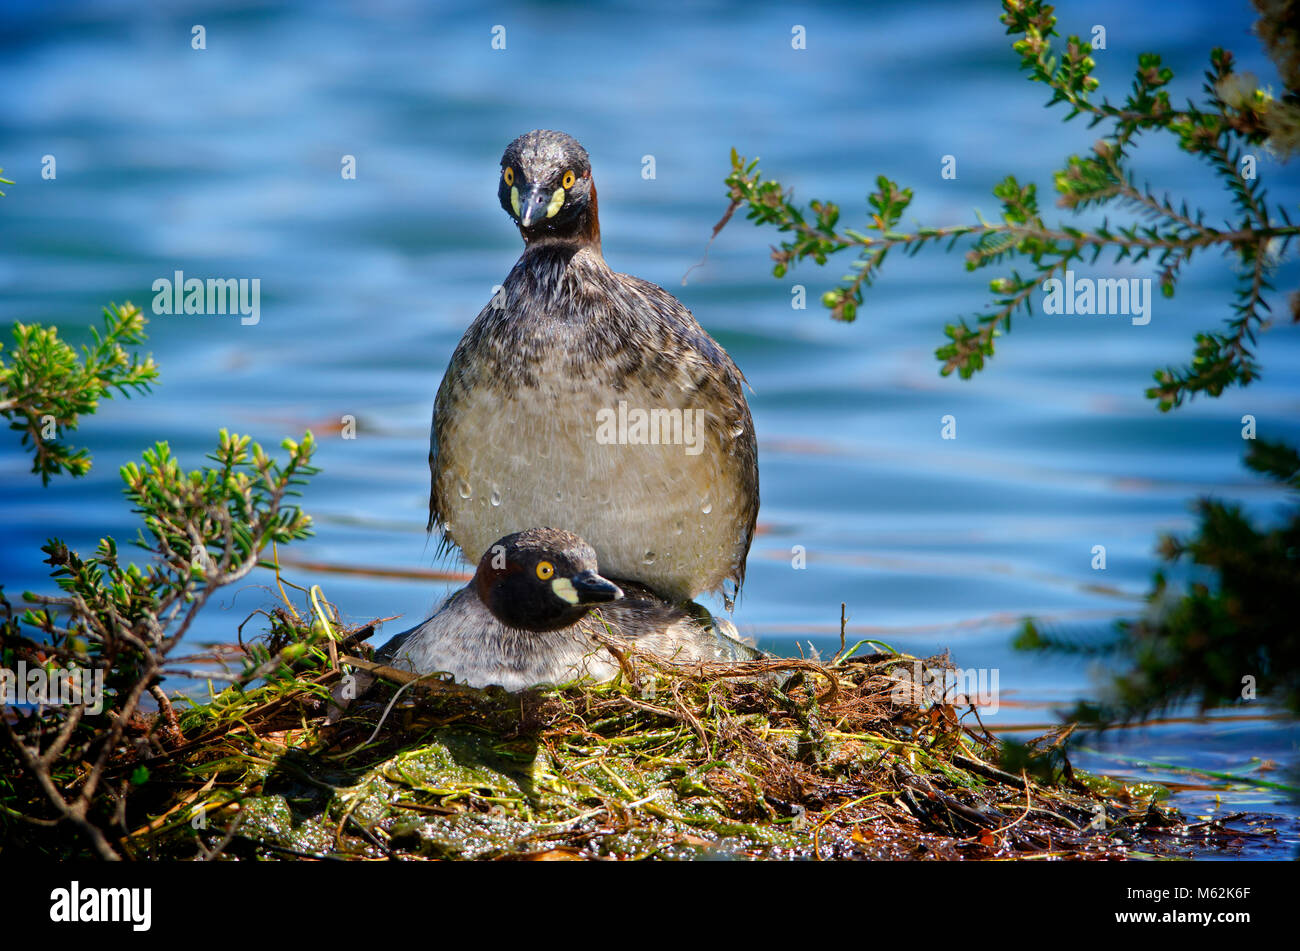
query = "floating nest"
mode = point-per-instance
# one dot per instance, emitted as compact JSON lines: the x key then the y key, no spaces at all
{"x":782,"y":759}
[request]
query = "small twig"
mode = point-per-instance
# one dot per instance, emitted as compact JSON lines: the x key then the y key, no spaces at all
{"x":167,"y":711}
{"x":722,"y":223}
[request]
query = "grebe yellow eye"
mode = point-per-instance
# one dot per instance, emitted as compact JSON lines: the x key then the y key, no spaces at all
{"x":569,"y":179}
{"x":544,"y":570}
{"x":509,"y":175}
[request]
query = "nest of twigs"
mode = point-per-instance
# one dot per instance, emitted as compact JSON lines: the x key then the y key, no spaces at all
{"x":766,"y":759}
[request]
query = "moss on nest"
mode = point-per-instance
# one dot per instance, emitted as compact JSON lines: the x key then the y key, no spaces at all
{"x":780,"y":759}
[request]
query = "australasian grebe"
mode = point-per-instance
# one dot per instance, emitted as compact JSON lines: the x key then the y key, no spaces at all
{"x":590,"y":399}
{"x":526,"y":619}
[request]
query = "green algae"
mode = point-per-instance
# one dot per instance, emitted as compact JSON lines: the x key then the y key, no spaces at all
{"x":761,"y":760}
{"x":673,"y":765}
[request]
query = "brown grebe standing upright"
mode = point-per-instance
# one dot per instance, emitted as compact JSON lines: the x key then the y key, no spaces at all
{"x":531,"y":422}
